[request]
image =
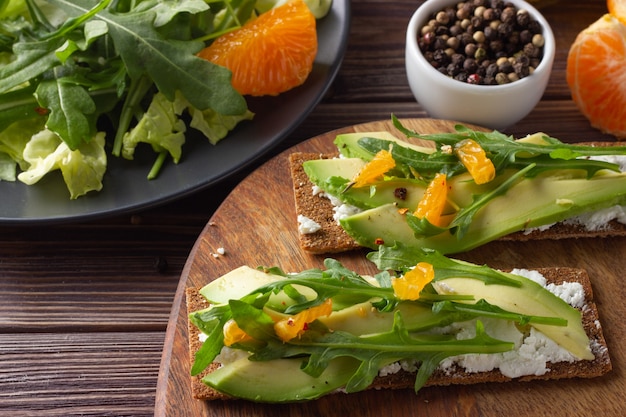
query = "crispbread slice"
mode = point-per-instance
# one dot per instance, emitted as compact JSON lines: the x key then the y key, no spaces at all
{"x":331,"y":238}
{"x":580,"y":369}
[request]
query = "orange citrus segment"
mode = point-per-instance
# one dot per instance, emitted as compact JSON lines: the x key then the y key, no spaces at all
{"x":596,"y":74}
{"x":269,"y":54}
{"x":434,"y":200}
{"x":233,"y":334}
{"x":409,"y":286}
{"x":617,"y":8}
{"x":372,"y":171}
{"x":474,"y":159}
{"x":293,"y":326}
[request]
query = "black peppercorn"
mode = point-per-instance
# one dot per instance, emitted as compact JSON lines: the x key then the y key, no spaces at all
{"x":523,"y":18}
{"x":508,"y":14}
{"x":470,"y":65}
{"x":491,"y":70}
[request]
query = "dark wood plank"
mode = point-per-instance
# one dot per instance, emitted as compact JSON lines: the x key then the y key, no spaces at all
{"x":79,"y":374}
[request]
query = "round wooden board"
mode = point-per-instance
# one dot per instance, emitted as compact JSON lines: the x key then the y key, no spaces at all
{"x":256,"y":225}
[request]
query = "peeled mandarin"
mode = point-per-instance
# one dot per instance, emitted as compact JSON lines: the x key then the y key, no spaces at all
{"x":596,"y":74}
{"x":271,"y":53}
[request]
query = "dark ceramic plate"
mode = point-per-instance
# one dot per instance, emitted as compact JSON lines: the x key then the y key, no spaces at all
{"x":126,"y":188}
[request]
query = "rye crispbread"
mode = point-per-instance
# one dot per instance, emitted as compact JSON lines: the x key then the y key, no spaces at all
{"x":579,"y":369}
{"x":331,"y":238}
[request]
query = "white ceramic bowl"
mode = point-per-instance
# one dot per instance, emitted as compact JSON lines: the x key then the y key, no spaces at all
{"x":491,"y":106}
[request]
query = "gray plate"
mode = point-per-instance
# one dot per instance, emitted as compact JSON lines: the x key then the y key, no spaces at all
{"x":126,"y":188}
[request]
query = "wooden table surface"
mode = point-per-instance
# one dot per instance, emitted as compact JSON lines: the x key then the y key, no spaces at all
{"x":84,"y":307}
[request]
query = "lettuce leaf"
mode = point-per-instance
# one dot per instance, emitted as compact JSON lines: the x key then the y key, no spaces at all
{"x":13,"y":139}
{"x":213,"y":125}
{"x":8,"y":170}
{"x":159,"y":127}
{"x":82,"y":169}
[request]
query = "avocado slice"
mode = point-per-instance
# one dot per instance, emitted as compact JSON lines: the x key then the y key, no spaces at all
{"x":530,"y":203}
{"x":320,"y":170}
{"x":279,"y":381}
{"x":333,"y":176}
{"x":529,"y":298}
{"x":348,"y":145}
{"x":242,"y":281}
{"x":361,"y":319}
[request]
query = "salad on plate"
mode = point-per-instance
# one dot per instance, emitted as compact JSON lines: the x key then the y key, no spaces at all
{"x":84,"y":80}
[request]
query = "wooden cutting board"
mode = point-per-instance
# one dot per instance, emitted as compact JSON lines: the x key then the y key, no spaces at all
{"x":256,"y":225}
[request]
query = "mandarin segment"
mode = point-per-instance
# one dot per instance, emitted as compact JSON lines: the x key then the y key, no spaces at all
{"x":475,"y":160}
{"x":434,"y":200}
{"x":374,"y":170}
{"x":596,"y":74}
{"x":617,"y":8}
{"x":270,"y":54}
{"x":293,"y":326}
{"x":411,"y":284}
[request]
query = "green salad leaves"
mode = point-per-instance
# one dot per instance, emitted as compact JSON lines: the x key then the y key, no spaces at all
{"x":74,"y":68}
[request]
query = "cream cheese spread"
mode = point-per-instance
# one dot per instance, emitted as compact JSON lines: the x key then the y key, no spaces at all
{"x":532,"y":352}
{"x":307,"y":225}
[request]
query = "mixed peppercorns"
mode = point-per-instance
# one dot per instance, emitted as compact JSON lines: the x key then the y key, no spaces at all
{"x":486,"y":42}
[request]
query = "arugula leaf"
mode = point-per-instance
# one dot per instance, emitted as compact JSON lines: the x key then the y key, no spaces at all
{"x":409,"y":161}
{"x":70,"y":108}
{"x":397,"y":258}
{"x":378,"y":350}
{"x":32,"y":60}
{"x":506,"y":152}
{"x":335,"y":282}
{"x":210,"y":321}
{"x":253,"y":321}
{"x":484,"y":309}
{"x":170,"y":63}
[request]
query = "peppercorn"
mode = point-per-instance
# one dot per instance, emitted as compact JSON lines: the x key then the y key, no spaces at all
{"x":525,"y":36}
{"x":400,"y":193}
{"x":491,"y":70}
{"x":490,"y":33}
{"x":538,"y":40}
{"x":481,"y":41}
{"x":489,"y":14}
{"x":470,"y":49}
{"x":523,"y":18}
{"x":508,"y":14}
{"x":474,"y":79}
{"x":501,"y":78}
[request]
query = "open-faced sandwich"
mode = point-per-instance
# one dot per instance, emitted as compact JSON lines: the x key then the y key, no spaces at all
{"x":425,"y":319}
{"x":455,"y":191}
